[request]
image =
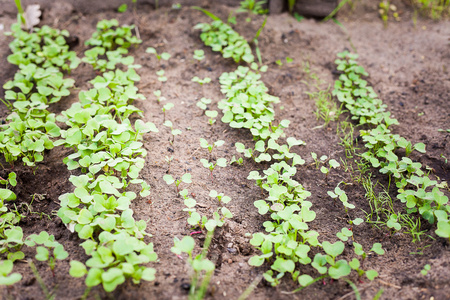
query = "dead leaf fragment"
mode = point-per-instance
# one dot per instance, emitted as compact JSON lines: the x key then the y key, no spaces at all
{"x":32,"y":15}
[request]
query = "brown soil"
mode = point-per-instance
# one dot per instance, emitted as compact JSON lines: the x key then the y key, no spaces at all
{"x":408,"y":67}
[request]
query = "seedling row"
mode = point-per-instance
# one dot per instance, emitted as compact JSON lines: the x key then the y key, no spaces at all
{"x":108,"y":152}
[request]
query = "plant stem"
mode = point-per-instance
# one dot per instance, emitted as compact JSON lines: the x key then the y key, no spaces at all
{"x":251,"y":287}
{"x":40,"y":280}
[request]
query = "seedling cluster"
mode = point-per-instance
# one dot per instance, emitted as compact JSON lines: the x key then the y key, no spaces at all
{"x":384,"y":149}
{"x":288,"y":241}
{"x":41,"y":56}
{"x":108,"y":156}
{"x":222,"y":38}
{"x":110,"y":44}
{"x":109,"y":151}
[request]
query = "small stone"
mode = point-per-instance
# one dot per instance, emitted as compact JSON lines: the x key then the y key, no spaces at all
{"x":230,"y":245}
{"x":230,"y":261}
{"x":231,"y":250}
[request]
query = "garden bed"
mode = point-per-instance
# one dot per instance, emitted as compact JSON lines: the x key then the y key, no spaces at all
{"x":408,"y":67}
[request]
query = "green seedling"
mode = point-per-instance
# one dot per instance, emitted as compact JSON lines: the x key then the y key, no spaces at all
{"x":333,"y":165}
{"x":205,"y":145}
{"x":239,"y":161}
{"x":253,"y":7}
{"x":425,"y":270}
{"x":201,"y":81}
{"x":168,"y":106}
{"x":211,"y":114}
{"x":339,"y":193}
{"x":221,"y":162}
{"x":173,"y":131}
{"x":6,"y":277}
{"x":161,"y":76}
{"x":158,"y":96}
{"x":164,"y":55}
{"x":203,"y":103}
{"x":122,"y":8}
{"x":186,"y":178}
{"x":109,"y":155}
{"x":222,"y":199}
{"x":199,"y":54}
{"x":47,"y":242}
{"x":222,"y":38}
{"x":168,"y":161}
{"x":110,"y":44}
{"x":363,"y":103}
{"x":278,"y":62}
{"x":344,"y":234}
{"x":317,"y":162}
{"x":298,"y":17}
{"x":356,"y":264}
{"x":201,"y":266}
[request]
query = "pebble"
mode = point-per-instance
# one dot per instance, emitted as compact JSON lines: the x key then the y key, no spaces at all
{"x":230,"y":245}
{"x":231,"y":250}
{"x":230,"y":261}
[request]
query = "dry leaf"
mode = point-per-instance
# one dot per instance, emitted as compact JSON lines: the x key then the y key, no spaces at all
{"x":31,"y":15}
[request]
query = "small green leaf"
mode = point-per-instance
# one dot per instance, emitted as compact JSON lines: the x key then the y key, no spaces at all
{"x":77,"y":269}
{"x":305,"y":280}
{"x":377,"y":248}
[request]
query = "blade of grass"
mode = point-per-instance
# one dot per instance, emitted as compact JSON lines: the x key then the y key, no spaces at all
{"x":251,"y":287}
{"x":335,"y":10}
{"x":206,"y":12}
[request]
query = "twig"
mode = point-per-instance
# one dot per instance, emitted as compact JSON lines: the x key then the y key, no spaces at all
{"x":389,"y":284}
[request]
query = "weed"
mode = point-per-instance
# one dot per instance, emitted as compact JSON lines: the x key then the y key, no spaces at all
{"x":384,"y":8}
{"x":435,"y":9}
{"x":327,"y":110}
{"x":253,"y":6}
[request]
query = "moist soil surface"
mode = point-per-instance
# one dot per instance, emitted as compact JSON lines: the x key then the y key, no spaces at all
{"x":408,"y":66}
